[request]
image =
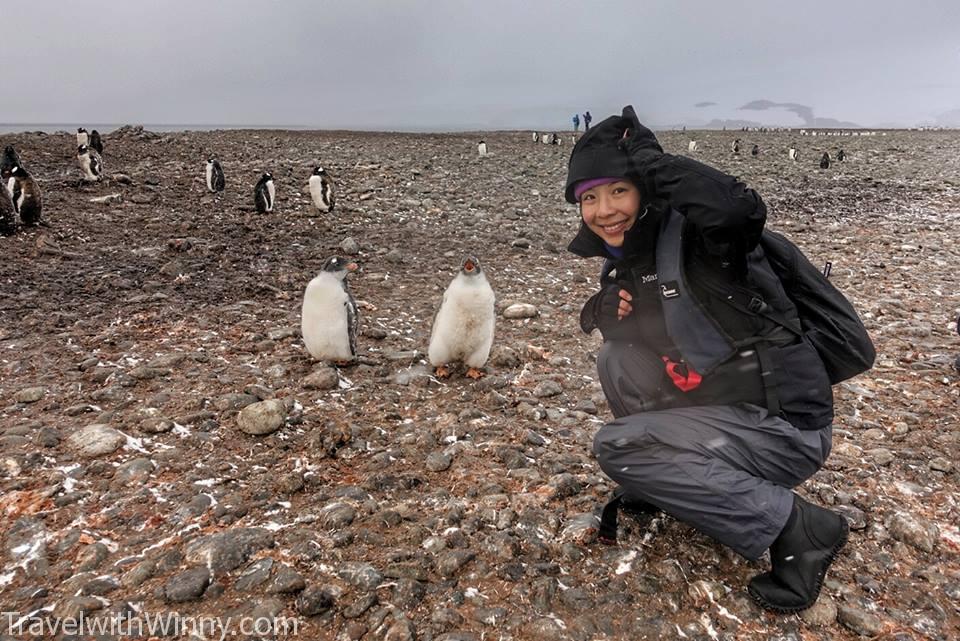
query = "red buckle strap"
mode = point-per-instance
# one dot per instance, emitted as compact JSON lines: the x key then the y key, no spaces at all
{"x":682,"y":375}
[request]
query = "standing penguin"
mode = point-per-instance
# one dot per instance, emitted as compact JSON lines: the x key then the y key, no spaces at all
{"x":82,"y":137}
{"x":755,"y":151}
{"x":328,"y":319}
{"x":825,"y":161}
{"x":482,"y":148}
{"x":215,"y":180}
{"x":90,"y":164}
{"x":536,"y":137}
{"x":464,"y":324}
{"x":26,"y":196}
{"x":95,"y":141}
{"x":321,"y":190}
{"x":8,"y":162}
{"x":735,"y":147}
{"x":793,"y":154}
{"x":264,"y":194}
{"x":841,"y":156}
{"x":8,"y":215}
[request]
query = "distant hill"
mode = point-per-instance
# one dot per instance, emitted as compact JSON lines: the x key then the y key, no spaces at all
{"x":803,"y":111}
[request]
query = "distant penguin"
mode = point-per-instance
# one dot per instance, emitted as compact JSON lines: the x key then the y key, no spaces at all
{"x":793,"y":154}
{"x":8,"y":162}
{"x":482,"y":148}
{"x":825,"y":161}
{"x":26,"y":196}
{"x":841,"y":156}
{"x":90,"y":163}
{"x":735,"y":147}
{"x":215,"y":179}
{"x":321,"y":190}
{"x":8,"y":214}
{"x":464,"y":324}
{"x":692,"y":146}
{"x":545,"y":139}
{"x":536,"y":137}
{"x":95,"y":141}
{"x":82,"y":137}
{"x":328,"y":319}
{"x":264,"y":194}
{"x":755,"y":151}
{"x":555,"y":138}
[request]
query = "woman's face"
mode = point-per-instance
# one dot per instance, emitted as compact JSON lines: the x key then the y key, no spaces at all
{"x":610,"y":210}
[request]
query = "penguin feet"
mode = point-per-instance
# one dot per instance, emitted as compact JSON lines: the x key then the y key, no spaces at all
{"x":474,"y":373}
{"x":442,"y":372}
{"x":345,"y":363}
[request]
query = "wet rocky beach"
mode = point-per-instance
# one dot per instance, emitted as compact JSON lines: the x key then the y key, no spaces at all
{"x":167,"y":445}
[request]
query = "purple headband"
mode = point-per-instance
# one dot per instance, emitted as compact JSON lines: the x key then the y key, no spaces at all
{"x":584,"y":185}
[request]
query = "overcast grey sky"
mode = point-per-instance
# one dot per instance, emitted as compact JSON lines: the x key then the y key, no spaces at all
{"x":479,"y":64}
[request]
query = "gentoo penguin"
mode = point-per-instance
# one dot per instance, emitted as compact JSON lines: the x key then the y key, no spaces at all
{"x":464,"y":324}
{"x":328,"y":319}
{"x":755,"y":151}
{"x":692,"y":146}
{"x":735,"y":147}
{"x":26,"y":196}
{"x":825,"y":161}
{"x":536,"y":137}
{"x":8,"y":215}
{"x":841,"y":155}
{"x":82,"y":137}
{"x":215,"y":180}
{"x":90,"y":163}
{"x":95,"y":141}
{"x":264,"y":193}
{"x":793,"y":154}
{"x":482,"y":148}
{"x":321,"y":190}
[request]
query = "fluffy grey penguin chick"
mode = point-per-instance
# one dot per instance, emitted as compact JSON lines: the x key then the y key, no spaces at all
{"x":464,"y":324}
{"x":329,"y":314}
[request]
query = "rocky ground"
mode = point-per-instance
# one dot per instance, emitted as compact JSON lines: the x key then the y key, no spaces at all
{"x":167,"y":445}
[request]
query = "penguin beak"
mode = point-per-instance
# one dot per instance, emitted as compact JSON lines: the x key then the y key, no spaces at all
{"x":469,"y":266}
{"x":352,"y":267}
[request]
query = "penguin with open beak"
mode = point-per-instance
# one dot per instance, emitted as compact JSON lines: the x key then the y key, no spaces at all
{"x":329,"y":317}
{"x":464,"y":325}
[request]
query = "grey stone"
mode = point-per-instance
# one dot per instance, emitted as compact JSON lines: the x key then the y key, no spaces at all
{"x":187,"y":586}
{"x":155,"y":425}
{"x":450,"y":562}
{"x":360,"y":575}
{"x":438,"y":461}
{"x":940,"y":464}
{"x":256,"y":574}
{"x":547,"y":388}
{"x":337,"y":515}
{"x":821,"y":613}
{"x":505,"y":357}
{"x":145,"y":373}
{"x":134,"y":471}
{"x":394,"y":256}
{"x":360,"y":605}
{"x":226,"y":551}
{"x":285,"y":581}
{"x":859,"y":620}
{"x":881,"y":456}
{"x":264,"y":417}
{"x":167,"y":360}
{"x":91,"y":556}
{"x":322,"y":378}
{"x":349,"y":246}
{"x":314,"y":600}
{"x":26,"y":545}
{"x":139,"y":573}
{"x":408,"y":593}
{"x":913,"y":531}
{"x":234,"y":401}
{"x":96,"y":440}
{"x":29,"y":395}
{"x":520,"y":310}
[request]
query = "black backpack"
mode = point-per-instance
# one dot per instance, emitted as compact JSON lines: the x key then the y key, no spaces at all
{"x":827,"y":318}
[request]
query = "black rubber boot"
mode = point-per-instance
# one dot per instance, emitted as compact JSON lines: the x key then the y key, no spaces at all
{"x":800,"y":556}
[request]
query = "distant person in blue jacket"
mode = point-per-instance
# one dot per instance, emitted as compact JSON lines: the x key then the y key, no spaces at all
{"x":576,"y":123}
{"x":587,"y":118}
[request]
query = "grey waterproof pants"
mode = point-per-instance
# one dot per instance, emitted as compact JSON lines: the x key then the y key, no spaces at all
{"x":726,"y":470}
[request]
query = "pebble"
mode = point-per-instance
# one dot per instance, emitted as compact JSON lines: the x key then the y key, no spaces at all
{"x":226,"y":551}
{"x":520,"y":310}
{"x":913,"y":531}
{"x":337,"y":515}
{"x":349,"y":246}
{"x":285,"y":581}
{"x":322,"y":378}
{"x":256,"y":574}
{"x":29,"y":395}
{"x":821,"y":613}
{"x":548,"y":388}
{"x":360,"y":575}
{"x":263,"y":417}
{"x":940,"y":464}
{"x":314,"y":600}
{"x":859,"y":620}
{"x":881,"y":456}
{"x":96,"y":440}
{"x":187,"y":586}
{"x":451,"y":562}
{"x":438,"y":461}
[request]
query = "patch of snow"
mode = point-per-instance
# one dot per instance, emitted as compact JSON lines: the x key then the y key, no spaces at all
{"x":626,"y":563}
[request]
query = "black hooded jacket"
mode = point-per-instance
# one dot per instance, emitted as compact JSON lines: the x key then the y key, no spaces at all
{"x":723,"y":268}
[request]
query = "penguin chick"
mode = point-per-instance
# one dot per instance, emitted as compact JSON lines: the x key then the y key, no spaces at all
{"x":321,"y":190}
{"x":26,"y":196}
{"x":464,"y":324}
{"x":328,"y":319}
{"x":90,"y":163}
{"x":215,"y":179}
{"x":83,"y":137}
{"x":264,"y":194}
{"x":482,"y":148}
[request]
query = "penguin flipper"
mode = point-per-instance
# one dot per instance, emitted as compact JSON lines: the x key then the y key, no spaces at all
{"x":352,"y":324}
{"x":17,"y":192}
